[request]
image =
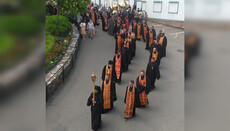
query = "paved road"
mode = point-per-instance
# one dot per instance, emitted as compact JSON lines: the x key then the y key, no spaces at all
{"x":67,"y":110}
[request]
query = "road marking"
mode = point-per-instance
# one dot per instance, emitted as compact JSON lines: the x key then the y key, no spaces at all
{"x":156,"y":25}
{"x":177,"y":33}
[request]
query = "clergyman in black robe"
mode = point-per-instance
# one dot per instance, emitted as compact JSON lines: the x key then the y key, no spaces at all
{"x":128,"y":51}
{"x":93,"y":17}
{"x":159,"y":35}
{"x":111,"y":26}
{"x":113,"y":76}
{"x":141,"y":88}
{"x":154,"y":53}
{"x":115,"y":58}
{"x":164,"y":45}
{"x":133,"y":44}
{"x":153,"y":31}
{"x":104,"y":23}
{"x":130,"y":88}
{"x":143,"y":24}
{"x":96,"y":109}
{"x":134,"y":28}
{"x":152,"y":71}
{"x":125,"y":59}
{"x":97,"y":18}
{"x":119,"y":41}
{"x":116,"y":29}
{"x":159,"y":49}
{"x":113,"y":96}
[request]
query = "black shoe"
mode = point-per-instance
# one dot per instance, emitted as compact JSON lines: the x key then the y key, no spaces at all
{"x":91,"y":37}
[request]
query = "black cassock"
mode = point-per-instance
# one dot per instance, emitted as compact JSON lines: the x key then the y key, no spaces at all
{"x":115,"y":30}
{"x":164,"y":45}
{"x":134,"y":29}
{"x":158,"y":36}
{"x":147,"y":38}
{"x":142,"y":31}
{"x":111,"y":27}
{"x":141,"y":88}
{"x":125,"y":59}
{"x":103,"y":23}
{"x":135,"y":100}
{"x":159,"y":49}
{"x":152,"y":71}
{"x":123,"y":35}
{"x":122,"y":66}
{"x":97,"y":19}
{"x":132,"y":47}
{"x":113,"y":96}
{"x":114,"y":77}
{"x":116,"y":42}
{"x":95,"y":16}
{"x":96,"y":110}
{"x":129,"y":53}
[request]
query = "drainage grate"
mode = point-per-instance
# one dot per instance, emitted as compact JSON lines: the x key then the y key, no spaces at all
{"x":181,"y":51}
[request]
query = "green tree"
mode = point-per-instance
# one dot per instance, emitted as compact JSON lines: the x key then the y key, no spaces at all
{"x":73,"y":6}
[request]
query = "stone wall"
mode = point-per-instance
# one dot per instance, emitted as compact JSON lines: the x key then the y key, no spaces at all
{"x":56,"y":76}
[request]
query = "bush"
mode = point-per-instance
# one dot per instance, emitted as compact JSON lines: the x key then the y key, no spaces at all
{"x":54,"y":55}
{"x":7,"y":43}
{"x":52,"y":27}
{"x":50,"y":41}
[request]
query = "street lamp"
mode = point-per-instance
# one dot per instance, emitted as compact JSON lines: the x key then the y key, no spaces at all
{"x":93,"y":77}
{"x":58,"y":20}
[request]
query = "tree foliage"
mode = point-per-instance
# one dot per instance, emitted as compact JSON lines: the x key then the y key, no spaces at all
{"x":73,"y":6}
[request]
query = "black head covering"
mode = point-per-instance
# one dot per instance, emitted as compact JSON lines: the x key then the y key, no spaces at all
{"x":98,"y":88}
{"x":110,"y":62}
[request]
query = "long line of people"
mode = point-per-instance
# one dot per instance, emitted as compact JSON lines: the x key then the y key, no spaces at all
{"x":127,"y":27}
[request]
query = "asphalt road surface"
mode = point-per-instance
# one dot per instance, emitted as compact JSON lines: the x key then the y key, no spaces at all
{"x":67,"y":110}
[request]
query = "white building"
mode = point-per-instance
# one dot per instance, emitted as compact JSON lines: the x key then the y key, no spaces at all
{"x":169,"y":10}
{"x":108,"y":3}
{"x":172,"y":10}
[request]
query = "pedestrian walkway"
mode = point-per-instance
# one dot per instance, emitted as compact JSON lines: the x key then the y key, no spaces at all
{"x":67,"y":110}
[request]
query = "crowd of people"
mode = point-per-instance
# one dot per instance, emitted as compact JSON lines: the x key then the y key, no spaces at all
{"x":126,"y":25}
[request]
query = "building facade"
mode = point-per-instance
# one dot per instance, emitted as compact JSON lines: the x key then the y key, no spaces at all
{"x":108,"y":3}
{"x":170,"y":10}
{"x":167,"y":10}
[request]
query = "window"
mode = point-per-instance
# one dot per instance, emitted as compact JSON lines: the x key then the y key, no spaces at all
{"x":139,"y":5}
{"x":115,"y":2}
{"x":173,"y":7}
{"x":143,"y":6}
{"x":157,"y":6}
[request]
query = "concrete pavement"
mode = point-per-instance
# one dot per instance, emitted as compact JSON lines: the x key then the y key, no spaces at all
{"x":67,"y":110}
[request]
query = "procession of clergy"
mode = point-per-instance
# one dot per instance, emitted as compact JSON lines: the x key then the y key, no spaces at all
{"x":126,"y":27}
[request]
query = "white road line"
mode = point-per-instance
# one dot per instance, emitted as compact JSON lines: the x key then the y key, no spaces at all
{"x":156,"y":25}
{"x":177,"y":33}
